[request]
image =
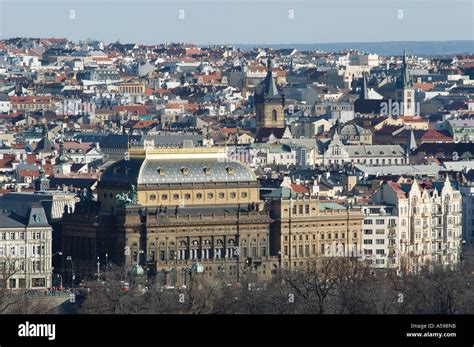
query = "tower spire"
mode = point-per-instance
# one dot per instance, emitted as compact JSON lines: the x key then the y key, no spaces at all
{"x":405,"y":75}
{"x":364,"y":92}
{"x":411,"y":143}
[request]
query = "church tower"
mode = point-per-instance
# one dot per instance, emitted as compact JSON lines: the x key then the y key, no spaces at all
{"x":269,"y":104}
{"x":62,"y":167}
{"x":405,"y":92}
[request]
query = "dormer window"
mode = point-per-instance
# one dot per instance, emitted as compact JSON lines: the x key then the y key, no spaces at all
{"x":207,"y":170}
{"x":161,"y":171}
{"x":185,"y":171}
{"x":230,"y":170}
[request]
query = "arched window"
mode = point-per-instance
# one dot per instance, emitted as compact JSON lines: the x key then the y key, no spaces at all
{"x":274,"y":115}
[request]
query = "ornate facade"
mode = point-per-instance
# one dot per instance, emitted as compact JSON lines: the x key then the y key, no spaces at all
{"x":166,"y":210}
{"x":429,"y":223}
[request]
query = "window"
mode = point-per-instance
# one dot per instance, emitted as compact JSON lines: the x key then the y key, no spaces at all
{"x":380,"y":241}
{"x":244,"y":195}
{"x":367,"y":232}
{"x":152,"y":197}
{"x":367,"y":251}
{"x":380,"y":222}
{"x":233,"y":195}
{"x":38,"y":282}
{"x":367,"y":242}
{"x":380,"y":252}
{"x":210,"y":195}
{"x":187,"y":196}
{"x":199,"y":196}
{"x":221,"y":195}
{"x":12,"y":236}
{"x":164,"y":197}
{"x":175,"y":196}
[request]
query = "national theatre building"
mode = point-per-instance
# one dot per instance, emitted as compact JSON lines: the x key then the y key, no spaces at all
{"x":165,"y":210}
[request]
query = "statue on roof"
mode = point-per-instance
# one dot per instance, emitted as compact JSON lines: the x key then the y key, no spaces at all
{"x":127,"y":199}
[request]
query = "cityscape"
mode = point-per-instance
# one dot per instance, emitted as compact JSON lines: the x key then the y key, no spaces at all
{"x":152,"y":171}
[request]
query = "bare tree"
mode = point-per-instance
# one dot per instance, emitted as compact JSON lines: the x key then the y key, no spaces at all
{"x":9,"y":300}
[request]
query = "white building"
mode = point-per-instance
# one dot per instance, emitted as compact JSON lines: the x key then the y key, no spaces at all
{"x":429,"y":228}
{"x":336,"y":153}
{"x":25,"y":249}
{"x":379,"y":236}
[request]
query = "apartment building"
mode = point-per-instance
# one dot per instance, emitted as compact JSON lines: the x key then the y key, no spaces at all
{"x":429,"y":214}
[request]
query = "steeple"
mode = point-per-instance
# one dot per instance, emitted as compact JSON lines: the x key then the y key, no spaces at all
{"x":270,"y":88}
{"x":62,"y":154}
{"x":411,"y":143}
{"x":41,"y":183}
{"x":364,"y":92}
{"x":405,"y":78}
{"x":269,"y":103}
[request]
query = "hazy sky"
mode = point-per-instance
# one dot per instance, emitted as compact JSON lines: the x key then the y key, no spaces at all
{"x":239,"y":21}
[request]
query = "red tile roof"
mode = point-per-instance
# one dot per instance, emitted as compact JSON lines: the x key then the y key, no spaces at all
{"x":436,"y":136}
{"x":297,"y":188}
{"x":140,"y":109}
{"x":144,"y":124}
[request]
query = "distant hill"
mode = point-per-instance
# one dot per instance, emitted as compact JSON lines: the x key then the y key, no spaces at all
{"x":382,"y":48}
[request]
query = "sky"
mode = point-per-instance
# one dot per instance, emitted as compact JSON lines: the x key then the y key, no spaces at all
{"x":239,"y":21}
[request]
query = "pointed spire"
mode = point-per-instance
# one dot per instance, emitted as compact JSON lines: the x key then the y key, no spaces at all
{"x":411,"y":143}
{"x":364,"y":91}
{"x":269,"y":84}
{"x":405,"y":81}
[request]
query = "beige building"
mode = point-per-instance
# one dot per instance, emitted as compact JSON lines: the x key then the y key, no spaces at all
{"x":306,"y":228}
{"x":131,"y":88}
{"x":166,"y":212}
